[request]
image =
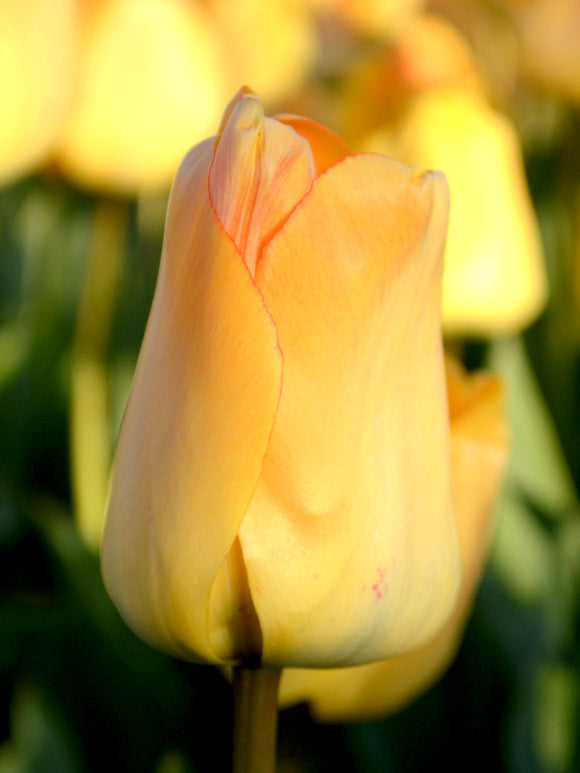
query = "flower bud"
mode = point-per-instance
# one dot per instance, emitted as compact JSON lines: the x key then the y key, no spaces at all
{"x":281,"y":485}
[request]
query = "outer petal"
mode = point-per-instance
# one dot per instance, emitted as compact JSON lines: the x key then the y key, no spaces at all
{"x":195,"y":431}
{"x":478,"y":444}
{"x":349,"y":542}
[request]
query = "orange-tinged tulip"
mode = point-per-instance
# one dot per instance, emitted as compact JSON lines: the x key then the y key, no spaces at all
{"x":281,"y":485}
{"x":37,"y":52}
{"x":151,"y":78}
{"x":478,"y":453}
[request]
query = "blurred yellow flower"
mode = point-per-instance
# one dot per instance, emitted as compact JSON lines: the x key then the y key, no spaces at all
{"x":478,"y":453}
{"x":152,"y":76}
{"x":378,"y":86}
{"x":270,"y":44}
{"x":37,"y":54}
{"x":151,"y":80}
{"x":281,"y":489}
{"x":495,"y":281}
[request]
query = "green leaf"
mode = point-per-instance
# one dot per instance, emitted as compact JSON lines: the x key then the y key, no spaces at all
{"x":39,"y":742}
{"x":523,"y":554}
{"x":537,"y":463}
{"x":558,"y":694}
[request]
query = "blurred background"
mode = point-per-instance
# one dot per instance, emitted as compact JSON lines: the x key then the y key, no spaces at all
{"x":99,"y":100}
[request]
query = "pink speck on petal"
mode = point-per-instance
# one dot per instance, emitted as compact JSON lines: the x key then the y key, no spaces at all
{"x":380,"y":585}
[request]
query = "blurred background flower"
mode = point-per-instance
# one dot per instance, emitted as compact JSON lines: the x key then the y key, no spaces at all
{"x":150,"y":76}
{"x":38,"y":44}
{"x":100,"y":99}
{"x":425,"y":102}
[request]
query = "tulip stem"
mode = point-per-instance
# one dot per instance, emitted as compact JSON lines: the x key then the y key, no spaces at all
{"x":255,"y":719}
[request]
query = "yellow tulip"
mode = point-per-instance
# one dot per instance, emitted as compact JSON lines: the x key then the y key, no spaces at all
{"x":495,"y":281}
{"x":150,"y":79}
{"x":37,"y":52}
{"x":281,"y":484}
{"x":430,"y":108}
{"x":478,"y":452}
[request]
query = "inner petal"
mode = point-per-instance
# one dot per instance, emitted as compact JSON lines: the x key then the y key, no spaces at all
{"x":261,"y":170}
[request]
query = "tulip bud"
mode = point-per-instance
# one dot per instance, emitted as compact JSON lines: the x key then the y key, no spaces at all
{"x":281,"y":484}
{"x":478,"y":455}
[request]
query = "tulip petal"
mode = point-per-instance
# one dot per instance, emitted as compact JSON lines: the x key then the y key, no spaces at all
{"x":260,"y":171}
{"x":349,"y":542}
{"x":195,"y":431}
{"x":232,"y":104}
{"x":478,"y":448}
{"x":479,"y":443}
{"x":326,"y":146}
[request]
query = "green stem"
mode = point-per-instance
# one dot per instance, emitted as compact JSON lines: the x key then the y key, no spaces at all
{"x":255,"y":719}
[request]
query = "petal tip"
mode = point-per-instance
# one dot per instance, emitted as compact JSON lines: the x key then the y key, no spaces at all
{"x":251,"y":109}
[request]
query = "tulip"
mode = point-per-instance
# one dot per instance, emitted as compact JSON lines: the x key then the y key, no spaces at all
{"x":281,"y":485}
{"x":478,"y":454}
